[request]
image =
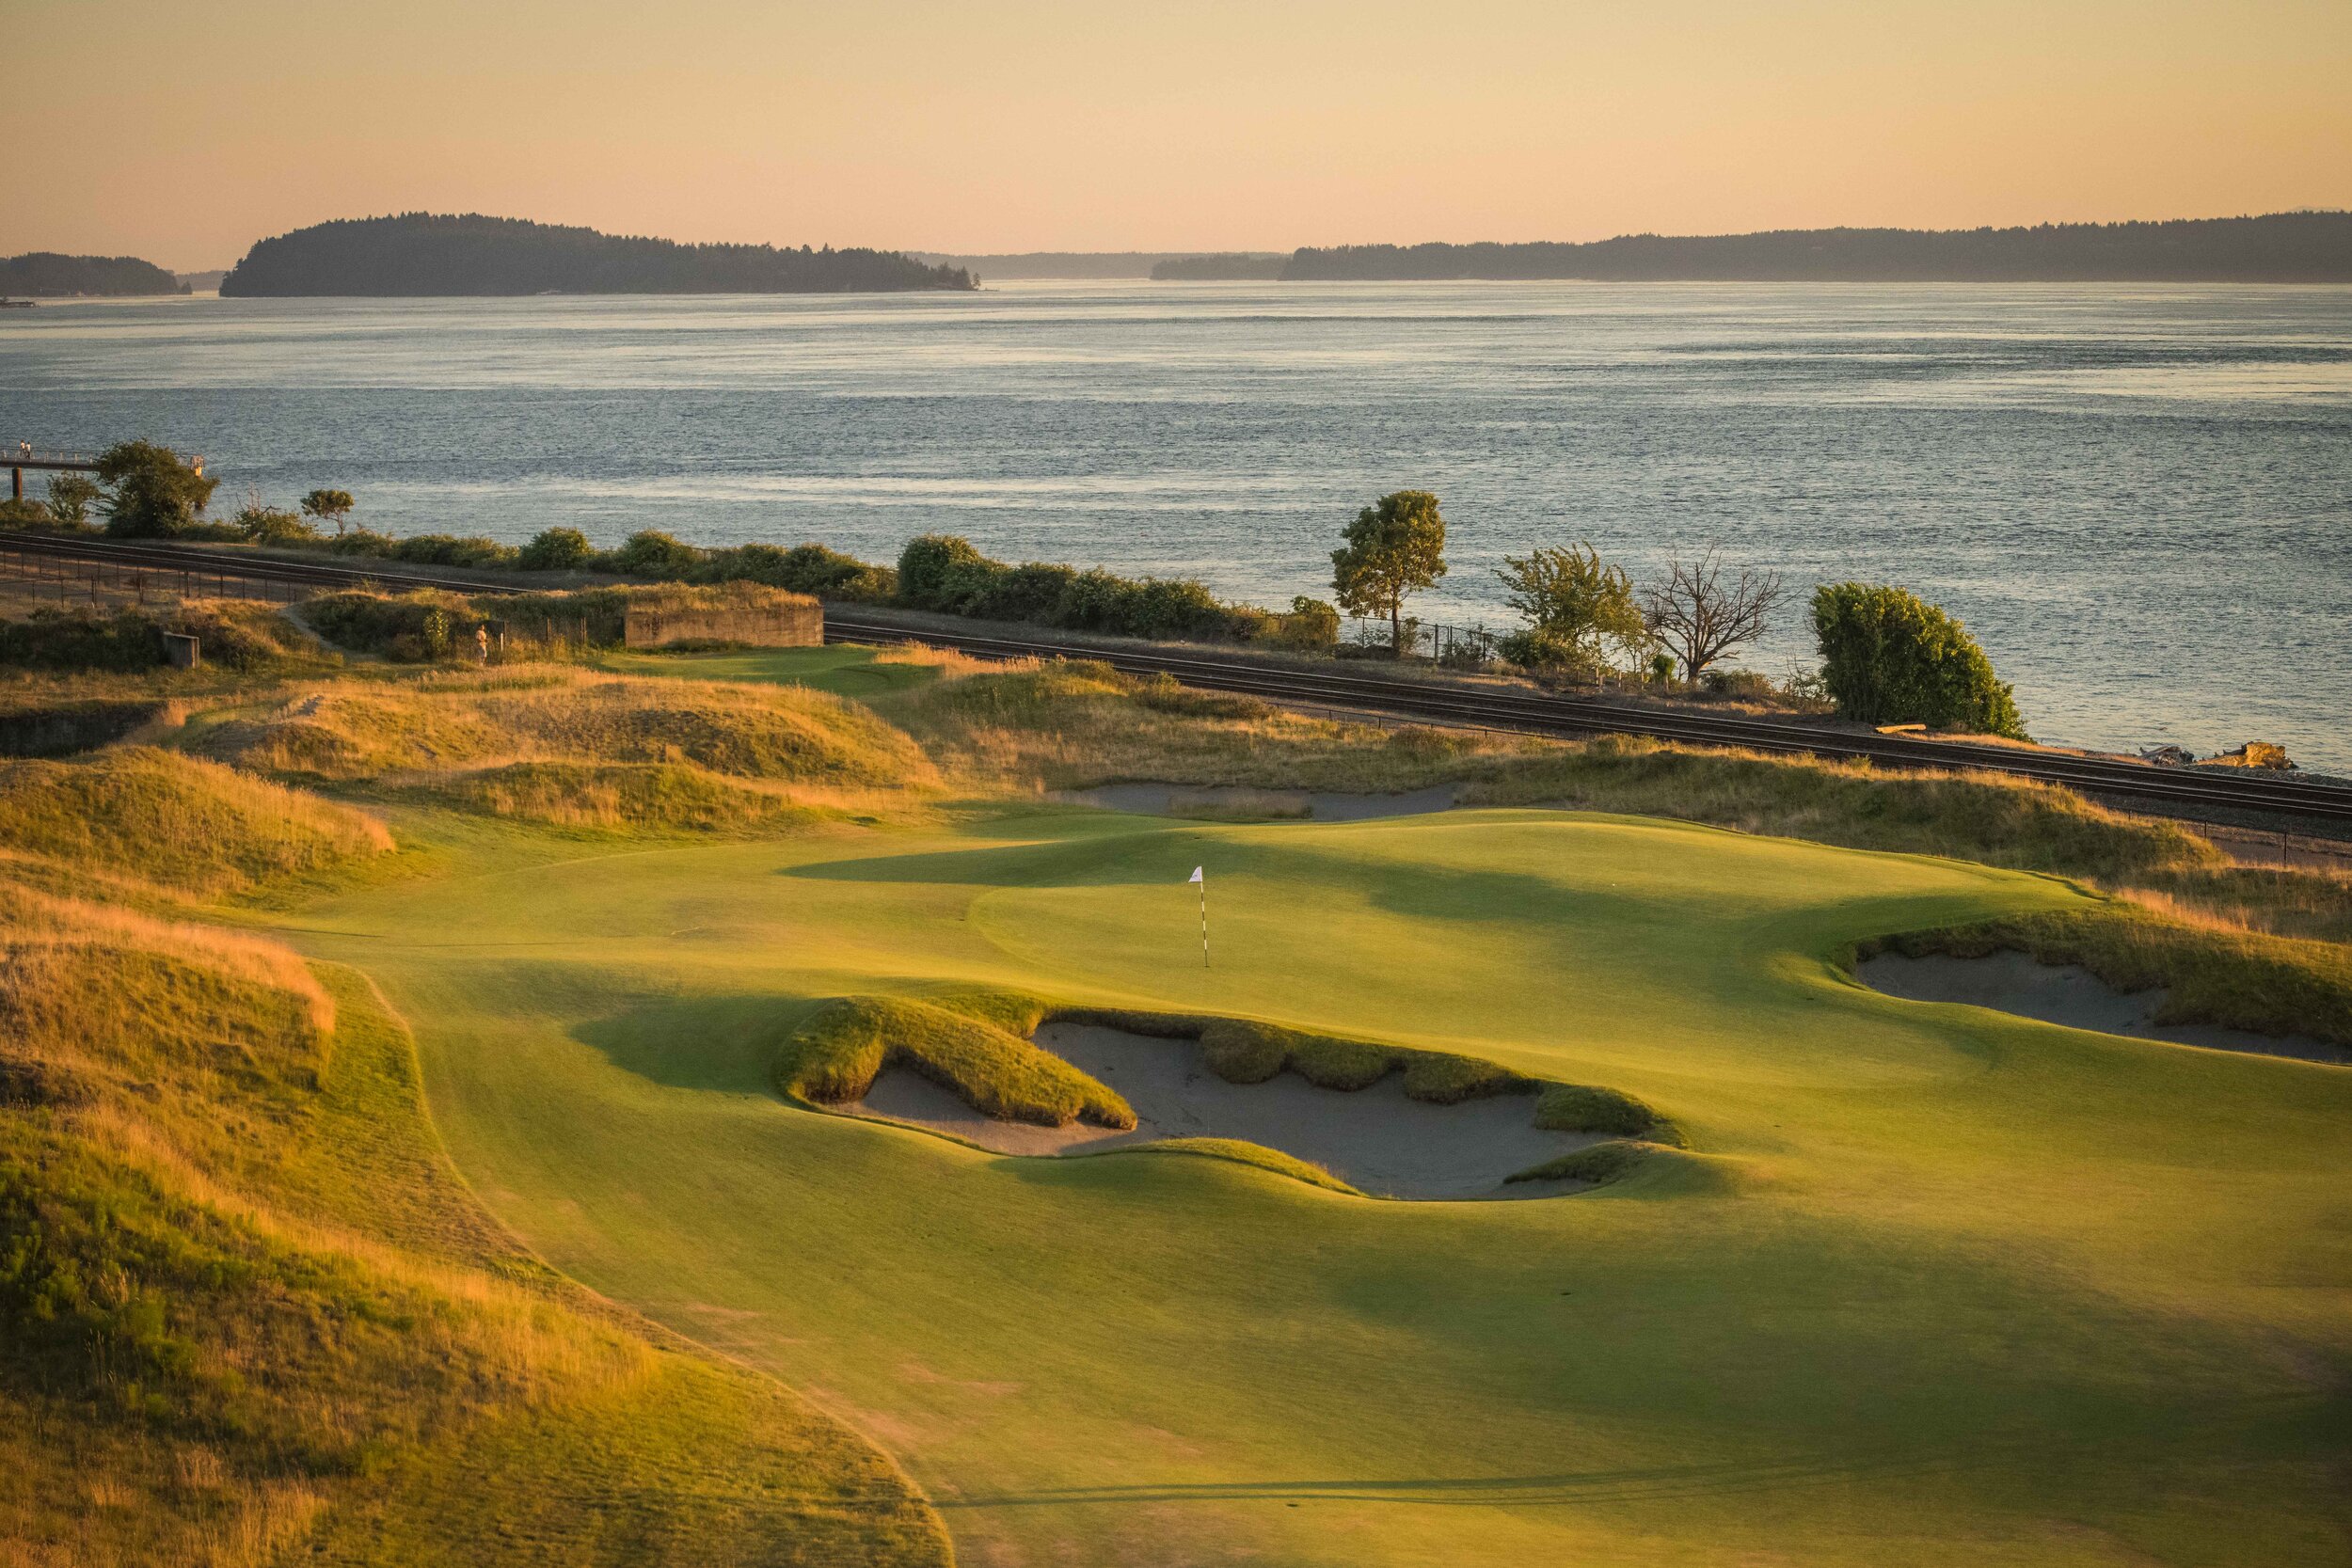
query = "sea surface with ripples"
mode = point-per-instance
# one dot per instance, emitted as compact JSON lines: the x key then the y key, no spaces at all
{"x":2138,"y":497}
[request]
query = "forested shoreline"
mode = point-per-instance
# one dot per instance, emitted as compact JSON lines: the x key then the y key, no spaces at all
{"x":2281,"y":247}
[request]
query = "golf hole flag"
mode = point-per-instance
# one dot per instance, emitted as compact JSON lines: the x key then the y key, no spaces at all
{"x":1204,"y":881}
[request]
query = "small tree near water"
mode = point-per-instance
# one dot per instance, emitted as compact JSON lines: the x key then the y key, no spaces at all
{"x":328,"y":506}
{"x":1574,"y":602}
{"x":1888,"y":657}
{"x":1394,"y":548}
{"x":151,"y":492}
{"x":1704,"y":616}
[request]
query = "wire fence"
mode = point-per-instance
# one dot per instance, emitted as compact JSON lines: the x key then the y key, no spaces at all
{"x":53,"y":578}
{"x":1466,"y":647}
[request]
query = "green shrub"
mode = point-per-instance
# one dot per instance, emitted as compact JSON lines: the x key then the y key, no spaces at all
{"x":1031,"y":593}
{"x":1312,"y":626}
{"x":652,"y":554}
{"x":943,"y":573}
{"x":555,"y":549}
{"x":443,"y":549}
{"x":803,"y":569}
{"x":268,"y":525}
{"x":1890,"y":659}
{"x":1551,"y":654}
{"x":364,"y":542}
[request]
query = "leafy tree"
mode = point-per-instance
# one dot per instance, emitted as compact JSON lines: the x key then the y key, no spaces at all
{"x":1701,"y":616}
{"x":1574,"y":602}
{"x":655,"y":554}
{"x":1394,"y":548}
{"x":149,"y":492}
{"x":328,"y":506}
{"x":945,"y":573}
{"x":71,"y":497}
{"x":556,"y":549}
{"x":1889,"y":658}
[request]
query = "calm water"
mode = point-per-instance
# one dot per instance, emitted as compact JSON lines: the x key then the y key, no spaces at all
{"x":2140,"y":499}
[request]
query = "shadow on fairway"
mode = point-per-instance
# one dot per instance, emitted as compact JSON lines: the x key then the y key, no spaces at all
{"x":720,"y":1043}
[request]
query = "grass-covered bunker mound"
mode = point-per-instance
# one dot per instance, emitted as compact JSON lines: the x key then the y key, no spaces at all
{"x":571,"y":746}
{"x":1015,"y":1074}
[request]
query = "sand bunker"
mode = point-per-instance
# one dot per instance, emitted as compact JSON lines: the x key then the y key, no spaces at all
{"x":2011,"y":982}
{"x":1233,"y":802}
{"x":1374,"y":1139}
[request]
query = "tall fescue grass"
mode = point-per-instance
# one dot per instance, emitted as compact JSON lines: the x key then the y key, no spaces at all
{"x":176,"y":821}
{"x":361,"y":730}
{"x":835,"y":1055}
{"x":2213,"y":973}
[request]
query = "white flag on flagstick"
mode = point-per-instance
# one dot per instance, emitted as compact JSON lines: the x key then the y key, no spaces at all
{"x":1195,"y":875}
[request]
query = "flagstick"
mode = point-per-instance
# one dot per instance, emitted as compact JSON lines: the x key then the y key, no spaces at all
{"x":1204,"y":923}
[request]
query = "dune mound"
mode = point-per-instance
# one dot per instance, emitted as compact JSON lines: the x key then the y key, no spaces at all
{"x":357,"y":730}
{"x":191,"y":826}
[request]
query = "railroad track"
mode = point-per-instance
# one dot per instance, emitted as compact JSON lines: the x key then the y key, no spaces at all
{"x":230,"y":564}
{"x":1429,"y":702}
{"x":1539,"y":714}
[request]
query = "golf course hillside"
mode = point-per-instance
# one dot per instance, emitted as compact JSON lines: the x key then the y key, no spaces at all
{"x":249,"y":1314}
{"x":744,"y":1106}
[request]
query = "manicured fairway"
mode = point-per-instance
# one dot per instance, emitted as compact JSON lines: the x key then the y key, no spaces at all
{"x":1938,"y":1287}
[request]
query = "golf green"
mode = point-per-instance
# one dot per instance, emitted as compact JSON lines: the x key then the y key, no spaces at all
{"x":1934,"y":1286}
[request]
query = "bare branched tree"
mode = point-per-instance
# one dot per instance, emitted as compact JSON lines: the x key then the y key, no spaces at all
{"x":1701,"y":617}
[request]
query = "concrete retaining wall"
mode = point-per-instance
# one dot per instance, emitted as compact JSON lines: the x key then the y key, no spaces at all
{"x":790,"y":625}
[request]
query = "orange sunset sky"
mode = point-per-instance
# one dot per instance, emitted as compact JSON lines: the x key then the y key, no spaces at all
{"x":185,"y":133}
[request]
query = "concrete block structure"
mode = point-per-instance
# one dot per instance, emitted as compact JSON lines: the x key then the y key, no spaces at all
{"x":781,"y":621}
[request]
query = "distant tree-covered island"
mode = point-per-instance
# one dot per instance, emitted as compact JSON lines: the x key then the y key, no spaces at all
{"x":47,"y":275}
{"x":424,"y":254}
{"x":2281,"y":247}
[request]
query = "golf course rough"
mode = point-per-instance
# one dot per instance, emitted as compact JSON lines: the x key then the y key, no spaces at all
{"x":1945,"y":1286}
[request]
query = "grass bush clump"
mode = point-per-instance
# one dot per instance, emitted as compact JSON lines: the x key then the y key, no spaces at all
{"x":1586,"y":1108}
{"x":191,"y":826}
{"x":1245,"y":1050}
{"x":835,"y":1055}
{"x":946,"y":574}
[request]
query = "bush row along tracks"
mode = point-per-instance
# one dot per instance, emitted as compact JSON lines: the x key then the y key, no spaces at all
{"x":1432,"y":702}
{"x":1436,"y":701}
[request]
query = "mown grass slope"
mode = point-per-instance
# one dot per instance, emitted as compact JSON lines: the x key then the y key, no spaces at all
{"x":249,"y":1314}
{"x":1937,"y":1286}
